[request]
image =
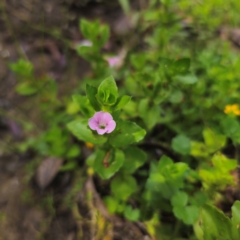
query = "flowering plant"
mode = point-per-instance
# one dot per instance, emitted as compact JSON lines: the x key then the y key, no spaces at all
{"x":103,"y":126}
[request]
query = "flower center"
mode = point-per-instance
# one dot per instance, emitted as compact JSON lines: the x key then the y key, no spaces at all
{"x":102,"y":126}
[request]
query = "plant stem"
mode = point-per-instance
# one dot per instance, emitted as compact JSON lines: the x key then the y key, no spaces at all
{"x":105,"y":160}
{"x":176,"y":229}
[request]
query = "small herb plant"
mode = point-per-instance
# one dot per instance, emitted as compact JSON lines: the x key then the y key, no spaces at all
{"x":104,"y":127}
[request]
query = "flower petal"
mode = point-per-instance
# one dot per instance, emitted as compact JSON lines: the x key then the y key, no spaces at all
{"x":104,"y":119}
{"x":111,"y":126}
{"x":101,"y":131}
{"x":93,"y":123}
{"x":98,"y":115}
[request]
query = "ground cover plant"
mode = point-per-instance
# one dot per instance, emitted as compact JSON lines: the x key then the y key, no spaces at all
{"x":149,"y":137}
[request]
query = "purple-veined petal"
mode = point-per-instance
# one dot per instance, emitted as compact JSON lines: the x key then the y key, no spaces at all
{"x":111,"y":126}
{"x":93,"y":123}
{"x":101,"y":131}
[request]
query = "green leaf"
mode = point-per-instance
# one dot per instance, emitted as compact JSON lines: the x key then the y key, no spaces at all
{"x":165,"y":63}
{"x":103,"y":35}
{"x":121,"y":102}
{"x":87,"y":52}
{"x":161,"y":187}
{"x":164,"y":163}
{"x":132,"y":86}
{"x":236,"y":220}
{"x":199,"y":199}
{"x":123,"y":186}
{"x":84,"y":105}
{"x":130,"y":110}
{"x":181,"y":144}
{"x":182,"y":65}
{"x":108,"y":91}
{"x":138,"y":60}
{"x":188,"y":214}
{"x":231,"y":128}
{"x":120,"y":208}
{"x":73,"y":151}
{"x":111,"y":203}
{"x":72,"y":108}
{"x":179,"y":212}
{"x":186,"y":79}
{"x":134,"y":158}
{"x":199,"y":149}
{"x":22,"y":67}
{"x":215,"y":224}
{"x":176,"y":174}
{"x":91,"y":159}
{"x":173,"y":172}
{"x":223,"y":163}
{"x":198,"y":231}
{"x":131,"y":214}
{"x":91,"y":94}
{"x":167,"y":177}
{"x":149,"y":113}
{"x":192,"y":215}
{"x":180,"y":199}
{"x":125,"y":4}
{"x":79,"y":128}
{"x":115,"y":161}
{"x":217,"y":176}
{"x":94,"y":31}
{"x":213,"y":141}
{"x":126,"y":133}
{"x":26,"y":88}
{"x":87,"y":29}
{"x":176,"y":97}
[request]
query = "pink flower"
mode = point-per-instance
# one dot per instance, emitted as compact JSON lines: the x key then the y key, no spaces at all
{"x":113,"y":61}
{"x":102,"y":122}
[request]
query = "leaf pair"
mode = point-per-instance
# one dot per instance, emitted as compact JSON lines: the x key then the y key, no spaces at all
{"x":106,"y":96}
{"x":95,"y":32}
{"x":106,"y":164}
{"x":187,"y":213}
{"x":167,"y":177}
{"x":179,"y":69}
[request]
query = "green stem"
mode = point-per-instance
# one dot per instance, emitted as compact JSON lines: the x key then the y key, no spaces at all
{"x":237,"y":153}
{"x":176,"y":229}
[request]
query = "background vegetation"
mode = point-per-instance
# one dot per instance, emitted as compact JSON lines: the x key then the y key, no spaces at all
{"x":170,"y":168}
